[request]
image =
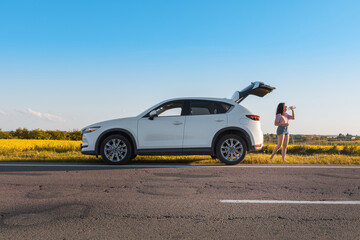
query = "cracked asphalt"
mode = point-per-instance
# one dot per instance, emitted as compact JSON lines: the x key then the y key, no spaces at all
{"x":177,"y":203}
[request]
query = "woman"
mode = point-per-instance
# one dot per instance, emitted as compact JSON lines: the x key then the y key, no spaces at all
{"x":282,"y":122}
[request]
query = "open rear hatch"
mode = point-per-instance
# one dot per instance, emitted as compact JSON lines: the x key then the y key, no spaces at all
{"x":255,"y":88}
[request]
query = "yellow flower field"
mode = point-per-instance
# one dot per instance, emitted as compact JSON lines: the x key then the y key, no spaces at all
{"x":69,"y":151}
{"x":42,"y":150}
{"x":33,"y":144}
{"x":304,"y":149}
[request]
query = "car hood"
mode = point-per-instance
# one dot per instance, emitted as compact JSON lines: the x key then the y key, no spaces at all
{"x":111,"y":123}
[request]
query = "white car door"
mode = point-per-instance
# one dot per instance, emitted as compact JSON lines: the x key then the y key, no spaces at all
{"x":166,"y":130}
{"x":205,"y":119}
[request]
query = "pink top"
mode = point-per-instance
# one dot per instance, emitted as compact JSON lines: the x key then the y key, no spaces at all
{"x":282,"y":119}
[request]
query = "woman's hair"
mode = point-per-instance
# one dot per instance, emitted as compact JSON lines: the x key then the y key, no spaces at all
{"x":280,"y":108}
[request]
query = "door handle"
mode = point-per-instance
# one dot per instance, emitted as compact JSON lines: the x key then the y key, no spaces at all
{"x":219,"y":120}
{"x":177,"y":123}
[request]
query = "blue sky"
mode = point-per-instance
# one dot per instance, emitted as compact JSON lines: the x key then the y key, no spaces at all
{"x":67,"y":64}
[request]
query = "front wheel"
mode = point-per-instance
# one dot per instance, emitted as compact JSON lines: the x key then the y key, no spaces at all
{"x":116,"y":149}
{"x":231,"y":149}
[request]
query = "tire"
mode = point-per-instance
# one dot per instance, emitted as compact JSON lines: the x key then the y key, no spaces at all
{"x":116,"y":149}
{"x":231,"y":149}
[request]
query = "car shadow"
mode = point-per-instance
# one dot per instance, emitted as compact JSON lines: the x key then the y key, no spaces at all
{"x":66,"y":166}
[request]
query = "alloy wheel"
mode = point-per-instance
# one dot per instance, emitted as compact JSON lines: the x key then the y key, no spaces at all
{"x":115,"y":150}
{"x":232,"y":149}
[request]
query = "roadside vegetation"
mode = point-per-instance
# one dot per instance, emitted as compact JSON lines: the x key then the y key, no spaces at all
{"x":23,"y":133}
{"x":69,"y":151}
{"x":42,"y":150}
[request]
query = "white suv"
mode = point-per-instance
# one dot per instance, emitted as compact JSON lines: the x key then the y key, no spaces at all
{"x":197,"y":126}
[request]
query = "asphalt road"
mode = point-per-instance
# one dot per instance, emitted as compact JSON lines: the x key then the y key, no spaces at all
{"x":65,"y":201}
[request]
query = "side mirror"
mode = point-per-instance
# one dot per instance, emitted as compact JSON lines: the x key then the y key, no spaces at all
{"x":152,"y":114}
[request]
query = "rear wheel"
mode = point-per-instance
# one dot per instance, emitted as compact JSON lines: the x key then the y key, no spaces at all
{"x":116,"y":149}
{"x":231,"y":149}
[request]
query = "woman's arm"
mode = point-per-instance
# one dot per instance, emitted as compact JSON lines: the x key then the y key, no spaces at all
{"x":293,"y":114}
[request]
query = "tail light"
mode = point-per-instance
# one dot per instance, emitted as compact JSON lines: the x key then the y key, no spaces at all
{"x":254,"y":117}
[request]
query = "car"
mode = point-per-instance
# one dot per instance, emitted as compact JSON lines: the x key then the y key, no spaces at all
{"x":218,"y":127}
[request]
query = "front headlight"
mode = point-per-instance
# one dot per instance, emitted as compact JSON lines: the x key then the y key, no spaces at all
{"x":90,"y":129}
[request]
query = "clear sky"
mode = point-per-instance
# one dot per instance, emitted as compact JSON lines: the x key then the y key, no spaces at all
{"x":67,"y":64}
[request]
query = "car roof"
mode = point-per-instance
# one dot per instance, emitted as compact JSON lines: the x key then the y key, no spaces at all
{"x":203,"y":98}
{"x":225,"y":100}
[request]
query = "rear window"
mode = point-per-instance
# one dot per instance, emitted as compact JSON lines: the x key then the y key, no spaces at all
{"x":199,"y":107}
{"x":222,"y":107}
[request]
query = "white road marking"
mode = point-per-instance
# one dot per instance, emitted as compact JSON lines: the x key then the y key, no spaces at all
{"x":291,"y":202}
{"x":173,"y":166}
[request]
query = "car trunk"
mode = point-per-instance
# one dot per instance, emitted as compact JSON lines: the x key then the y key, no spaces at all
{"x":255,"y":88}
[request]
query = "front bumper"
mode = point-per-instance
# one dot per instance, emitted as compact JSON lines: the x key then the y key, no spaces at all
{"x":88,"y":152}
{"x":88,"y":143}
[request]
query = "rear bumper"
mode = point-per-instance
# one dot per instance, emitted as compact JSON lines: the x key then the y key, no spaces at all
{"x":256,"y":148}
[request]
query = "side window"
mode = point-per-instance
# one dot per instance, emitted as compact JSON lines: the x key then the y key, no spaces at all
{"x":202,"y":108}
{"x":170,"y":109}
{"x":222,"y":107}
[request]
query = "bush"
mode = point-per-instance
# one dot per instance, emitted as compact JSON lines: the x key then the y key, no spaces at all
{"x":5,"y":135}
{"x":23,"y":133}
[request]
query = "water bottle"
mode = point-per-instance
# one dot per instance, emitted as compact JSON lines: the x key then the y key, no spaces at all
{"x":289,"y":108}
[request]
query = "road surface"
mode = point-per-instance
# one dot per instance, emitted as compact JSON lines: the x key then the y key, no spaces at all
{"x":72,"y":201}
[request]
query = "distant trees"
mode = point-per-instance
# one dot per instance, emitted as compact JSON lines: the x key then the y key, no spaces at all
{"x":23,"y":133}
{"x":4,"y":135}
{"x":347,"y":137}
{"x":341,"y":139}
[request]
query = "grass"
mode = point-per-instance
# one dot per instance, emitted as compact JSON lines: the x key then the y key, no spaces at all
{"x":256,"y":158}
{"x":42,"y":150}
{"x":304,"y":149}
{"x":302,"y":159}
{"x":69,"y":151}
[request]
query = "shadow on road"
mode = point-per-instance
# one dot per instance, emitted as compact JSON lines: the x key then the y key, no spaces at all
{"x":58,"y":166}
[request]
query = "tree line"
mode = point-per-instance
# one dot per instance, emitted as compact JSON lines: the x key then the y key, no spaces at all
{"x":23,"y":133}
{"x":314,"y":139}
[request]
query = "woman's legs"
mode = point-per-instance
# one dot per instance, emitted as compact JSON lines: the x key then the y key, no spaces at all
{"x":280,"y":141}
{"x":285,"y":144}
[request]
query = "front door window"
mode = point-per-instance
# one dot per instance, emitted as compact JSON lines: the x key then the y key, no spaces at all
{"x":166,"y":130}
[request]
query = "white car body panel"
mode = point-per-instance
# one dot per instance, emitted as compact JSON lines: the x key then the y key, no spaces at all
{"x":161,"y":132}
{"x":237,"y":118}
{"x":90,"y":139}
{"x":200,"y":129}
